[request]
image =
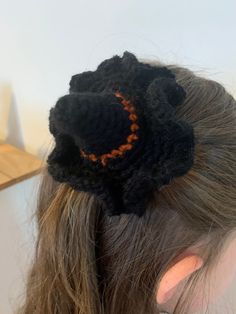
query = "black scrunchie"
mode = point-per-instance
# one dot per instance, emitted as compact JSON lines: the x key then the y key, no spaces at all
{"x":116,"y":134}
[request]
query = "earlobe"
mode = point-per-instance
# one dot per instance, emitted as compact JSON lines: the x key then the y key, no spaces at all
{"x":169,"y":282}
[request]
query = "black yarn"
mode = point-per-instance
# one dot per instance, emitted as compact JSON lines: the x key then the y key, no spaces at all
{"x":92,"y":119}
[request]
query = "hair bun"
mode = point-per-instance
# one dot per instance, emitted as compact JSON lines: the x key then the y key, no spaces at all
{"x":116,"y":134}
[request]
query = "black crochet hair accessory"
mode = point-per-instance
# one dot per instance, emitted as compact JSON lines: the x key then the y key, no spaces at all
{"x":117,"y":136}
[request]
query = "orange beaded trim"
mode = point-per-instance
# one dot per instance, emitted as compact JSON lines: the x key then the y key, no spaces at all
{"x":129,"y":140}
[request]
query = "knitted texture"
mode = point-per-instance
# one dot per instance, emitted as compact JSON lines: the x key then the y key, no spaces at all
{"x":117,"y":136}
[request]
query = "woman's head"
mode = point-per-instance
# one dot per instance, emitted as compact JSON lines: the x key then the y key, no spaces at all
{"x":89,"y":262}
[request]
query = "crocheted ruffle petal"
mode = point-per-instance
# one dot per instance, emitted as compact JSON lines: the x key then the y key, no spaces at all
{"x":138,"y":190}
{"x":177,"y":156}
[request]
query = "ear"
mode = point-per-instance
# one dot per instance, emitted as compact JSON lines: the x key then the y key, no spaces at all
{"x":169,"y":282}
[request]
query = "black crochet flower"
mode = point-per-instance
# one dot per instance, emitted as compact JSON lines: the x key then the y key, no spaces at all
{"x":116,"y":134}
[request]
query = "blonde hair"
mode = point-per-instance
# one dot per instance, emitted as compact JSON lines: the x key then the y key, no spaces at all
{"x":88,"y":263}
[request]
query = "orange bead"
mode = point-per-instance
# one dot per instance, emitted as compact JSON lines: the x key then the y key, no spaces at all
{"x":134,"y":127}
{"x":118,"y":94}
{"x":132,"y":109}
{"x":129,"y":146}
{"x":82,"y":153}
{"x":133,"y":117}
{"x":93,"y":157}
{"x":104,"y":162}
{"x":109,"y":156}
{"x":126,"y":103}
{"x":131,"y":138}
{"x":125,"y":147}
{"x":116,"y":152}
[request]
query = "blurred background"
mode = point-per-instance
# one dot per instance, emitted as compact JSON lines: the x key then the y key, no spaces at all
{"x":43,"y":43}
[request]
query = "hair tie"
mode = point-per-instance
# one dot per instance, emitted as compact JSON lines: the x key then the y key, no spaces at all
{"x":117,"y":136}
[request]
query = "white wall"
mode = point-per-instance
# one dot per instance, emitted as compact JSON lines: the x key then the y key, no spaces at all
{"x":43,"y":43}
